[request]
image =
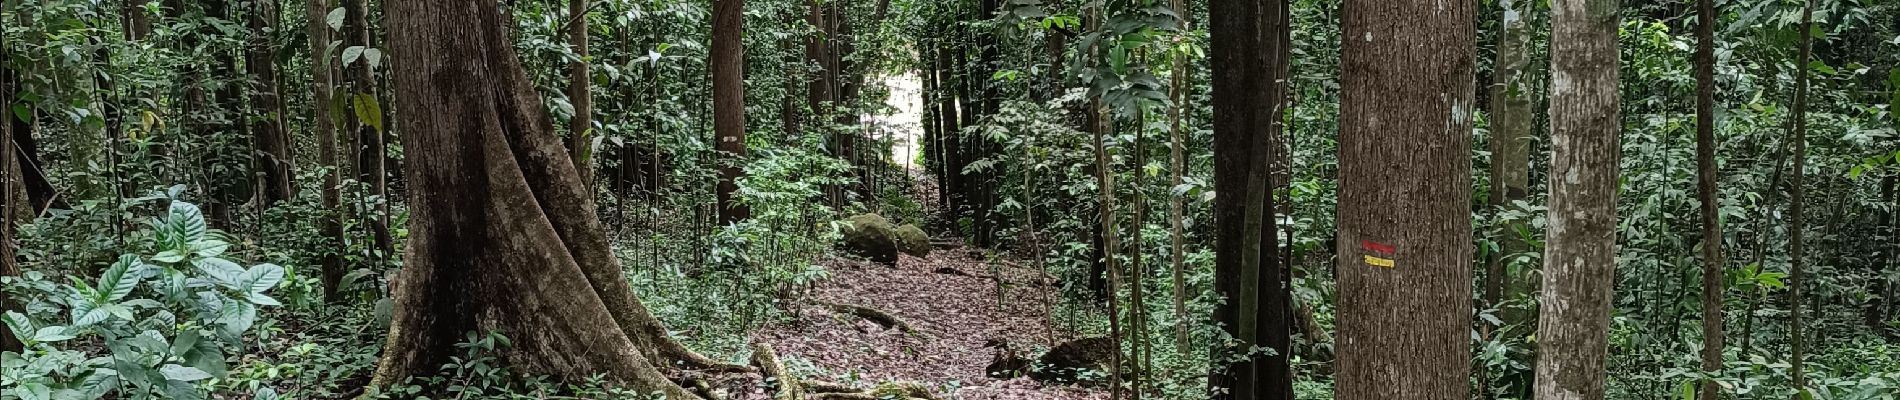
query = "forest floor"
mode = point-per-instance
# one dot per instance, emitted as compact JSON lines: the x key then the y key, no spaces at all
{"x":959,"y":307}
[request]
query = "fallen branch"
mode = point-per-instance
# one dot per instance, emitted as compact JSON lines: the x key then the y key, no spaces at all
{"x":886,"y":320}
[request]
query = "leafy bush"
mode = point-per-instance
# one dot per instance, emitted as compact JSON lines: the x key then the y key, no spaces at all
{"x":159,"y":326}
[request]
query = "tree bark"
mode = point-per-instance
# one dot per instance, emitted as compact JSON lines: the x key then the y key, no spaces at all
{"x":323,"y":88}
{"x":273,"y":156}
{"x":1797,"y":203}
{"x":728,"y":69}
{"x":1712,"y":239}
{"x":1251,"y":56}
{"x":580,"y":94}
{"x":14,"y":203}
{"x":1510,"y":158}
{"x":1177,"y":249}
{"x":1580,"y":271}
{"x":1404,"y":243}
{"x":495,"y":191}
{"x":371,"y":164}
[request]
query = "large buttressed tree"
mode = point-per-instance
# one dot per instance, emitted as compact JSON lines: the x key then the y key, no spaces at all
{"x":1250,"y":62}
{"x":503,"y":236}
{"x":1404,"y":246}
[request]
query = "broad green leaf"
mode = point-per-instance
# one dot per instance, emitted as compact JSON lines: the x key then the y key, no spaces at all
{"x":119,"y":279}
{"x":262,"y":299}
{"x":350,"y":54}
{"x":335,"y":18}
{"x":168,"y":257}
{"x":186,"y":341}
{"x":91,"y":317}
{"x":262,"y":278}
{"x":51,"y":334}
{"x":222,"y":271}
{"x":17,"y":322}
{"x":368,"y":111}
{"x":183,"y":373}
{"x":374,"y":57}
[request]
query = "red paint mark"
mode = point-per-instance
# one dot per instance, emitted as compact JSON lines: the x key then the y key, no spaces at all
{"x":1377,"y":247}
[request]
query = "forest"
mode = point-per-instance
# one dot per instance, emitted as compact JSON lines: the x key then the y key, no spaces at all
{"x":950,"y":199}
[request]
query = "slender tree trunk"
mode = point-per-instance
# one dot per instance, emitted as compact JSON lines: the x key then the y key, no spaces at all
{"x":322,"y":88}
{"x":494,"y":189}
{"x":1573,"y":331}
{"x":1250,"y":59}
{"x":1177,"y":93}
{"x":267,"y":125}
{"x":1797,"y":203}
{"x":1510,"y":159}
{"x":14,"y":204}
{"x":794,"y":73}
{"x":371,"y":165}
{"x":1712,"y":267}
{"x":950,"y":134}
{"x":580,"y":94}
{"x":728,"y":69}
{"x":1404,"y":205}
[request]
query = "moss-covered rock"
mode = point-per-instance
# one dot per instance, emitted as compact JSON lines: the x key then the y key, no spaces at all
{"x":913,"y":241}
{"x":872,"y":237}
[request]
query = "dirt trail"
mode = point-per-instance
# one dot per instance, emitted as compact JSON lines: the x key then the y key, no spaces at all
{"x":955,"y":316}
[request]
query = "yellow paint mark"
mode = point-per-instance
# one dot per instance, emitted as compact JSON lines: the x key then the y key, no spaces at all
{"x":1379,"y":262}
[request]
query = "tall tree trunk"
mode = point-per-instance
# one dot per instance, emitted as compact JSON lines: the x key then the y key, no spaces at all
{"x":273,"y":143}
{"x":1177,"y":254}
{"x":1712,"y":262}
{"x":371,"y":165}
{"x":580,"y":94}
{"x":1797,"y":203}
{"x":494,"y":188}
{"x":1580,"y":272}
{"x":819,"y":89}
{"x":951,"y":178}
{"x":1510,"y":158}
{"x":228,"y":190}
{"x":1251,"y":56}
{"x":14,"y":204}
{"x":323,"y":88}
{"x":728,"y":70}
{"x":1404,"y":205}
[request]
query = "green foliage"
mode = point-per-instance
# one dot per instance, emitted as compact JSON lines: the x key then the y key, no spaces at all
{"x":166,"y":326}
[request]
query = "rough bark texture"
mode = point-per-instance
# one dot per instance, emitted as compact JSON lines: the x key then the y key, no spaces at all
{"x":322,"y":88}
{"x":580,"y":94}
{"x":1712,"y":275}
{"x":728,"y":70}
{"x":1405,"y":254}
{"x":1580,"y":266}
{"x":1797,"y":202}
{"x":273,"y":158}
{"x":503,"y":236}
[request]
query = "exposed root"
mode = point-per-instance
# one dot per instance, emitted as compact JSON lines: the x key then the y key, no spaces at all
{"x":884,"y":319}
{"x":890,"y":390}
{"x":843,"y":396}
{"x":686,"y":359}
{"x":702,"y":388}
{"x":785,"y":386}
{"x":828,"y":387}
